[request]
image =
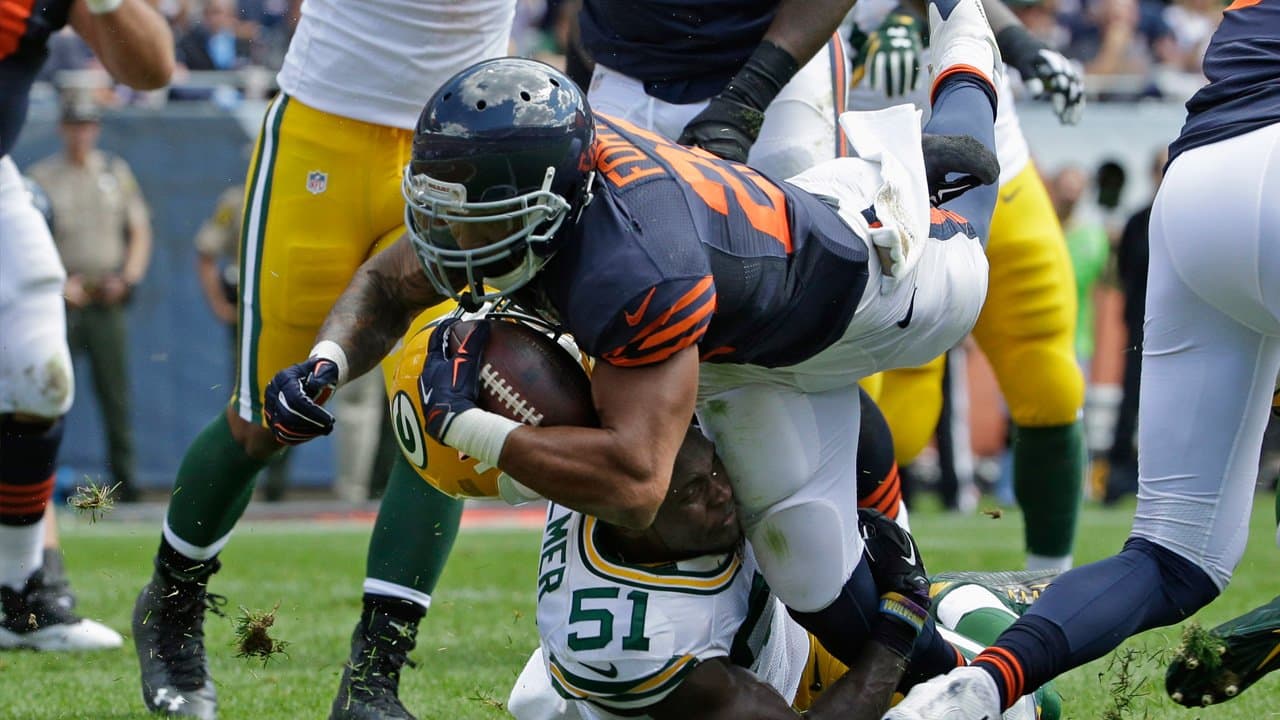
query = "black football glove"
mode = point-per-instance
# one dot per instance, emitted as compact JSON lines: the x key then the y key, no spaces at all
{"x":1047,"y":74}
{"x":895,"y":559}
{"x":728,"y":126}
{"x":955,"y":164}
{"x":450,"y":382}
{"x":294,"y":400}
{"x":900,"y":577}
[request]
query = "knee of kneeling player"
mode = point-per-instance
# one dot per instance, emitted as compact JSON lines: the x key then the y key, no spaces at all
{"x":1043,"y":388}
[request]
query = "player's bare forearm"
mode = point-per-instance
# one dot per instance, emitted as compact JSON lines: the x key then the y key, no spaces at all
{"x":133,"y":42}
{"x":999,"y":16}
{"x":371,"y":315}
{"x":618,"y":472}
{"x":865,"y":691}
{"x":802,"y":27}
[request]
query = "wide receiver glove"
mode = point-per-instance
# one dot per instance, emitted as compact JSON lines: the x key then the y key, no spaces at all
{"x":1045,"y":72}
{"x":450,"y":384}
{"x":730,"y":123}
{"x":900,"y":577}
{"x":891,"y":55}
{"x":294,"y":400}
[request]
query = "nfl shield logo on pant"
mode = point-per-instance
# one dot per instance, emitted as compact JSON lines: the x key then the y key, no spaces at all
{"x":317,"y":181}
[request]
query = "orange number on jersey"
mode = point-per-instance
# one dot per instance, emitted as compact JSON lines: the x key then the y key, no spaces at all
{"x":622,"y":162}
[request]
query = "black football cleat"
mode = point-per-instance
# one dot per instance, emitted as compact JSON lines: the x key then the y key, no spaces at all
{"x":370,"y":687}
{"x":1217,"y":665}
{"x":1016,"y":588}
{"x":168,"y":633}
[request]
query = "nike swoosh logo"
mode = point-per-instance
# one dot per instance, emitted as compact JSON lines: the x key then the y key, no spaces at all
{"x":904,"y":322}
{"x":1009,"y":196}
{"x":610,"y":672}
{"x":462,"y":355}
{"x":633,"y":319}
{"x":911,"y":559}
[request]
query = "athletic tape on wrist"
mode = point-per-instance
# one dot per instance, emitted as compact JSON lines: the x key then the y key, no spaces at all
{"x":480,"y":434}
{"x":333,"y":352}
{"x":101,"y":7}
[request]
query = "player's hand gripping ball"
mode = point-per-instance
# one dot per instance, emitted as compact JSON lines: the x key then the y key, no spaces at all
{"x":520,"y":373}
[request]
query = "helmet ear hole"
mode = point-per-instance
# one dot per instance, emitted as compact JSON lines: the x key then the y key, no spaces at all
{"x":480,"y":104}
{"x":525,"y":96}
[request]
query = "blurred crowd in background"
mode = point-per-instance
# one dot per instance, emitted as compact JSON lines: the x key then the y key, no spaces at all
{"x":1128,"y":48}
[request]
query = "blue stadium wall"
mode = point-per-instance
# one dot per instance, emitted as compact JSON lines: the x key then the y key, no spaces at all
{"x":180,"y":366}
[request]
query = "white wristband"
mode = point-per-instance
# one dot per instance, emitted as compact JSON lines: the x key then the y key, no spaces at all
{"x":480,"y":434}
{"x":100,"y":7}
{"x":333,"y":352}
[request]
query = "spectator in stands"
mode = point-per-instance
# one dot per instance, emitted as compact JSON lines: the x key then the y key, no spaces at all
{"x":218,"y":266}
{"x":1131,"y":264}
{"x":103,"y":234}
{"x":1119,"y":37}
{"x":1191,"y":23}
{"x":217,"y":43}
{"x":1089,"y":249}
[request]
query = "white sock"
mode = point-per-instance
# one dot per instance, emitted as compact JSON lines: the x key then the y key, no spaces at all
{"x":1046,"y":562}
{"x":21,"y":553}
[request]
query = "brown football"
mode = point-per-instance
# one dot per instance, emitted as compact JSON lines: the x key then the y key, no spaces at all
{"x":527,"y":377}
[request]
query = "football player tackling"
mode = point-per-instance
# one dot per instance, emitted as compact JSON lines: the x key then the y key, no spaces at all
{"x":698,"y":284}
{"x":1210,"y":359}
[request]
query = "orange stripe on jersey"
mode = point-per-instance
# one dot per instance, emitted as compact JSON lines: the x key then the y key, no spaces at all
{"x":1241,"y":4}
{"x":840,"y":88}
{"x":937,"y":216}
{"x":684,"y":325}
{"x":614,"y":358}
{"x":717,"y":352}
{"x":13,"y":24}
{"x":703,"y":285}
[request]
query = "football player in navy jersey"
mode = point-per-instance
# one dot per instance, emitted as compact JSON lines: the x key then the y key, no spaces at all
{"x":1211,"y":353}
{"x":759,"y":82}
{"x":134,"y":44}
{"x":699,"y":284}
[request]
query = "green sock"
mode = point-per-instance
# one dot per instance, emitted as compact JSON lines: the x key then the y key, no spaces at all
{"x":1048,"y":474}
{"x":415,"y":530}
{"x":215,"y":482}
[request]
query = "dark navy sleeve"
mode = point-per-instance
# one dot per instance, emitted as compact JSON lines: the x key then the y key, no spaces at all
{"x":652,"y":327}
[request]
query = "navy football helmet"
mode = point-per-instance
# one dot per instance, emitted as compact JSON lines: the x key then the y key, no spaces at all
{"x":506,"y":140}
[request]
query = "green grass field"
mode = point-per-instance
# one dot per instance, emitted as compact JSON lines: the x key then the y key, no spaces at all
{"x":481,"y":628}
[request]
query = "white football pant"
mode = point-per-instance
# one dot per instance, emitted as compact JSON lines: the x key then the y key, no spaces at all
{"x":35,"y":363}
{"x":1211,"y":348}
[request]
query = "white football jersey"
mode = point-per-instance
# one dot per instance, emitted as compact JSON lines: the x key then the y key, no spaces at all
{"x":1011,"y":146}
{"x":380,"y":60}
{"x":620,"y":636}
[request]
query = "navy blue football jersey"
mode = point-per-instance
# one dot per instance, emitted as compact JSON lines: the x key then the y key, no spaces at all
{"x":25,"y":27}
{"x":679,"y":247}
{"x":684,"y":51}
{"x":1242,"y":63}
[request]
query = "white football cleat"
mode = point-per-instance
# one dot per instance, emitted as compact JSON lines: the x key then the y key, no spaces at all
{"x":966,"y":693}
{"x":960,"y":37}
{"x":36,"y":619}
